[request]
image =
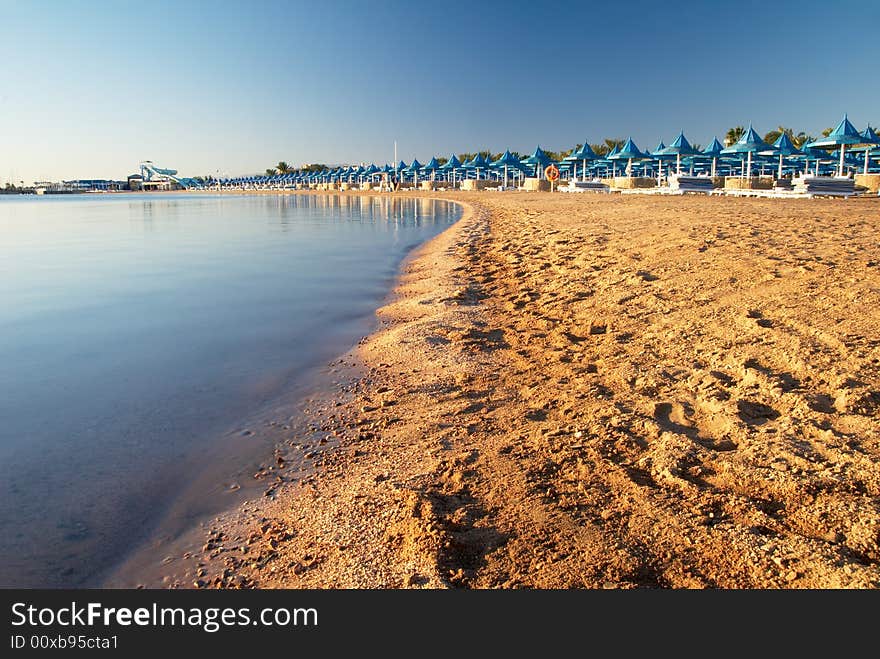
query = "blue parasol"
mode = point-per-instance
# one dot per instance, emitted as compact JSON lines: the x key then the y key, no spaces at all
{"x":844,"y":134}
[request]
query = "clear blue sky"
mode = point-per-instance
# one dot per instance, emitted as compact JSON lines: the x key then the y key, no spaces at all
{"x":89,"y":88}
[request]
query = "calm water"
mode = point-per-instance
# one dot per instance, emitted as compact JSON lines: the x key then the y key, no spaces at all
{"x":138,"y":332}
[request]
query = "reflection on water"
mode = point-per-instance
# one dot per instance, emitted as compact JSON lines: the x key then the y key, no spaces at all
{"x":137,"y":330}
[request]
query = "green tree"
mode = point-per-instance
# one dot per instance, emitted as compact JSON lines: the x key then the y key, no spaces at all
{"x":827,"y":132}
{"x":733,"y":134}
{"x":607,"y":145}
{"x":283,"y":168}
{"x":270,"y":172}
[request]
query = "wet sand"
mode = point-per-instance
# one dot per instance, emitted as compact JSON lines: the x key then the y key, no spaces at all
{"x":594,"y":391}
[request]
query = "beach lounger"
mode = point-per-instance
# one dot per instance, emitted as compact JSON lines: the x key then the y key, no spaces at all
{"x":584,"y":186}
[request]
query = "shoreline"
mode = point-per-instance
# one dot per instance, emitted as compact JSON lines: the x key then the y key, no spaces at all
{"x":543,"y":405}
{"x":180,"y":533}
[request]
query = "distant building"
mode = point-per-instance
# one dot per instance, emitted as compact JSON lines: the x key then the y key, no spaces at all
{"x":79,"y":185}
{"x":94,"y":185}
{"x":135,"y":182}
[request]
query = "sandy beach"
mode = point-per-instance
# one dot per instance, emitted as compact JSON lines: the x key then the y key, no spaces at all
{"x":593,"y":391}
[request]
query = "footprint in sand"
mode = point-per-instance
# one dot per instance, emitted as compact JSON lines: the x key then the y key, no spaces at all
{"x":675,"y":417}
{"x":755,"y":413}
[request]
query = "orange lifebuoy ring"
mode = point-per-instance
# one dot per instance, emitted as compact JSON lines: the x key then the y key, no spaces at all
{"x":552,"y":172}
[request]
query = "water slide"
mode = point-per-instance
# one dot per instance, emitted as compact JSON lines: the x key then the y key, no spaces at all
{"x":149,"y":170}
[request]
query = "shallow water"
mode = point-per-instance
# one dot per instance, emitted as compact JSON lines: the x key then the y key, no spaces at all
{"x":137,"y":332}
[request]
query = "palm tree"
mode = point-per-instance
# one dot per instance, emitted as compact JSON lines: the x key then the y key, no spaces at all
{"x":797,"y":139}
{"x":283,"y":167}
{"x":270,"y":172}
{"x":733,"y":135}
{"x":802,"y":138}
{"x":773,"y":135}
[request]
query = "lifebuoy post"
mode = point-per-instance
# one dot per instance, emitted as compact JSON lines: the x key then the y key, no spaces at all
{"x":551,"y":172}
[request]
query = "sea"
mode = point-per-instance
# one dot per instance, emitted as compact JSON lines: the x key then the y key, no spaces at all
{"x":143,"y":337}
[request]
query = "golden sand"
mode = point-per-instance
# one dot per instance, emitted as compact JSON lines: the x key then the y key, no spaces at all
{"x":604,"y":392}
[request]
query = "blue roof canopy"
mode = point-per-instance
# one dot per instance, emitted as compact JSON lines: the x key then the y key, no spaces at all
{"x":452,"y":163}
{"x":629,"y":151}
{"x":432,"y":165}
{"x":869,"y":136}
{"x":680,"y":147}
{"x":507,"y":159}
{"x":783,"y":146}
{"x":658,"y":151}
{"x":584,"y":153}
{"x":749,"y":142}
{"x":714,"y":149}
{"x":537,"y":158}
{"x":845,"y":133}
{"x":477,"y":162}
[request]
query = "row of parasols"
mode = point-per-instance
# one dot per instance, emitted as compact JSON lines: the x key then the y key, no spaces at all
{"x":844,"y":149}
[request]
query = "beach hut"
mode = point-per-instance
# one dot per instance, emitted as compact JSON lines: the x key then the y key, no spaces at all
{"x":748,"y":144}
{"x":629,"y":152}
{"x":844,"y":134}
{"x":584,"y":154}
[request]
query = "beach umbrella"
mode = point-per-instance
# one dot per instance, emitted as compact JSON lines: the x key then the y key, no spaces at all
{"x":814,"y":154}
{"x":714,"y":151}
{"x":539,"y":160}
{"x":477,"y":163}
{"x":414,"y":169}
{"x":749,"y":143}
{"x":451,"y":165}
{"x":610,"y":157}
{"x":870,"y":139}
{"x":506,"y":160}
{"x":387,"y":170}
{"x":370,"y":171}
{"x":680,"y":147}
{"x":629,"y":152}
{"x":583,"y":154}
{"x":659,"y":153}
{"x":432,"y":167}
{"x":783,"y":146}
{"x":844,"y":134}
